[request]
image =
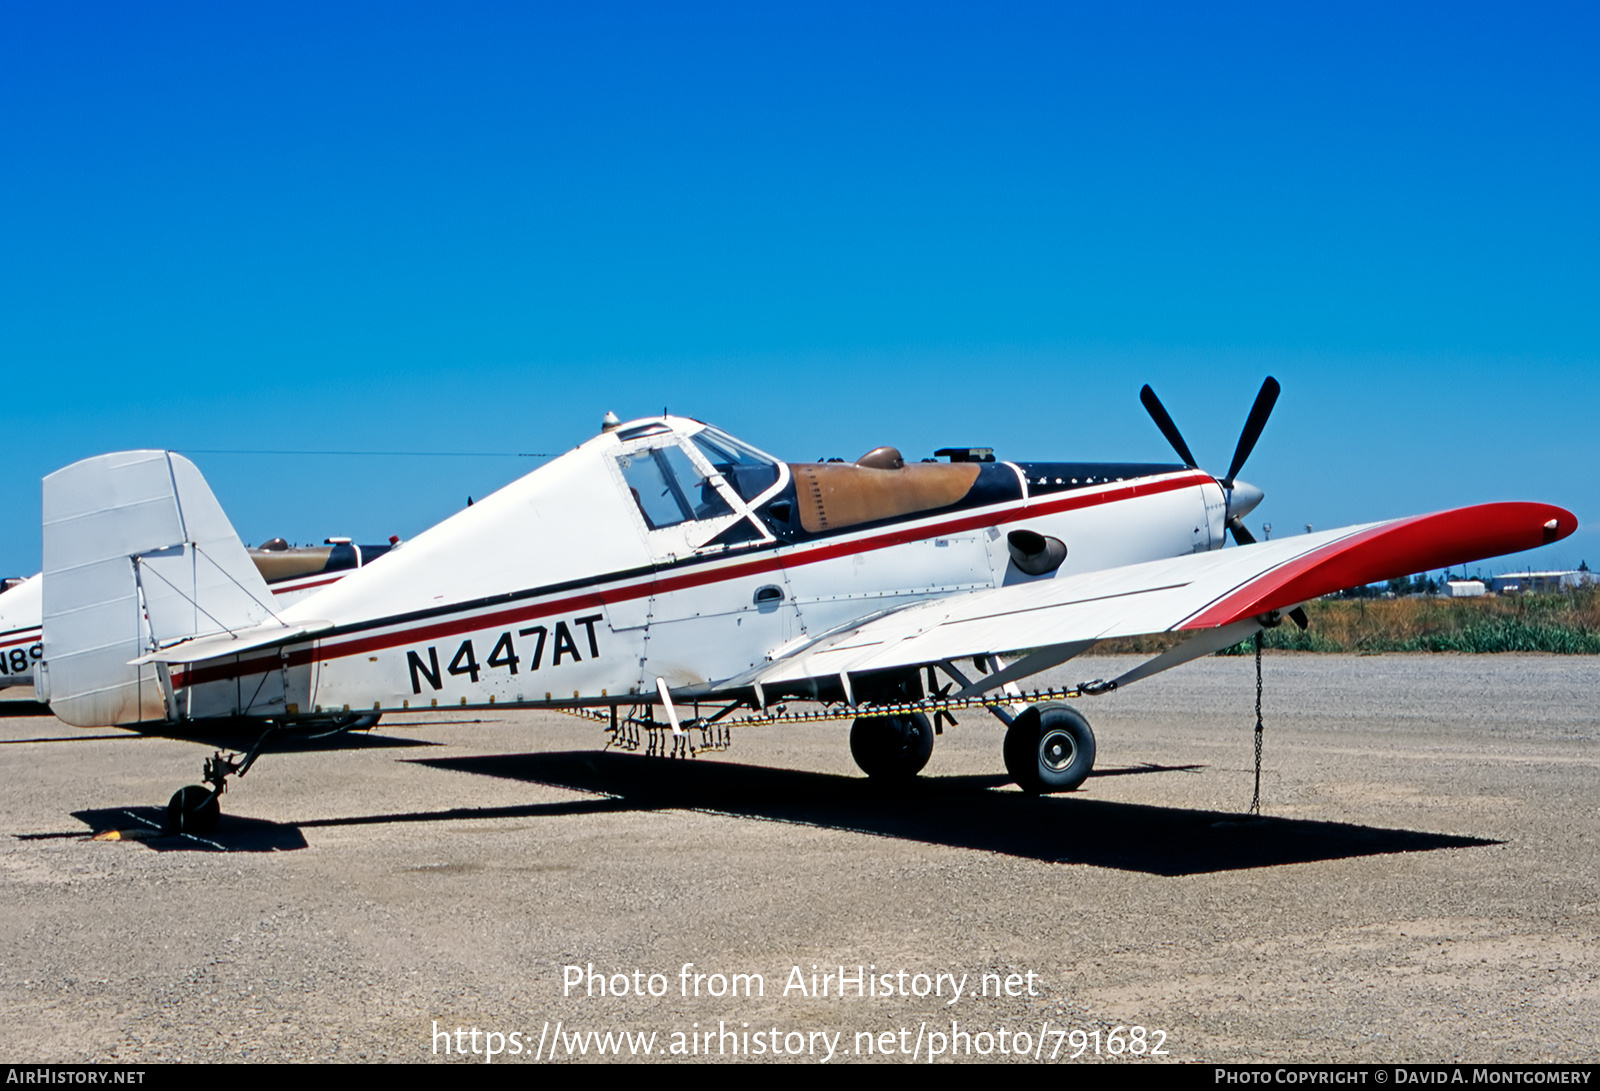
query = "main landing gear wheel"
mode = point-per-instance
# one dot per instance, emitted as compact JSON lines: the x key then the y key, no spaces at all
{"x":891,"y":747}
{"x":1049,"y":748}
{"x":193,"y":810}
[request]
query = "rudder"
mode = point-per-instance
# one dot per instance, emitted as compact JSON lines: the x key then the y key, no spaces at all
{"x":137,"y":555}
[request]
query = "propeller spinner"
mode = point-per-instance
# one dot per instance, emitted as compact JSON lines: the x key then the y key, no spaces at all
{"x":1241,"y":496}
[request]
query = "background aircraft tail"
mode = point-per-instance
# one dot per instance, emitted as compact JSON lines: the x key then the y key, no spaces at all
{"x":137,"y":555}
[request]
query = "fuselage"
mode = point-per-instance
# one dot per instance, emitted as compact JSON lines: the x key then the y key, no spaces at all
{"x":20,"y":646}
{"x":665,"y":549}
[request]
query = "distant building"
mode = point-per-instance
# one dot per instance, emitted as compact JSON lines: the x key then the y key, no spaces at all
{"x":1543,"y":581}
{"x":1463,"y":589}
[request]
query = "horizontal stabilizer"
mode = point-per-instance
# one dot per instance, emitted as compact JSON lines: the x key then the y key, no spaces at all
{"x":242,"y":640}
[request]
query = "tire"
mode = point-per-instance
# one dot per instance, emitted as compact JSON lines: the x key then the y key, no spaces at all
{"x":891,"y":747}
{"x":193,"y":810}
{"x":1049,"y":748}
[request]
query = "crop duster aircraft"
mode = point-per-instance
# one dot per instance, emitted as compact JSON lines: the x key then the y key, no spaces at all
{"x":664,"y":564}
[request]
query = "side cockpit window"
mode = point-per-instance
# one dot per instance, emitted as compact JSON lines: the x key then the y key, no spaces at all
{"x":704,"y":501}
{"x":669,"y":489}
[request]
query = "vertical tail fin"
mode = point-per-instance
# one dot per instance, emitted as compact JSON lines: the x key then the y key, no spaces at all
{"x":137,"y":554}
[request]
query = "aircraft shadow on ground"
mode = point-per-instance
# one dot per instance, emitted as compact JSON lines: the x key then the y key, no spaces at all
{"x":68,"y":738}
{"x":148,"y":825}
{"x":238,"y":834}
{"x":239,"y":741}
{"x":961,"y":812}
{"x":234,"y":833}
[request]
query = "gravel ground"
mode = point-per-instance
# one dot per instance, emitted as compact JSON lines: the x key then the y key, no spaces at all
{"x":1426,"y":888}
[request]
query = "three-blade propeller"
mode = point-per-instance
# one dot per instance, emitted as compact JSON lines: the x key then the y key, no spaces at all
{"x":1249,"y":495}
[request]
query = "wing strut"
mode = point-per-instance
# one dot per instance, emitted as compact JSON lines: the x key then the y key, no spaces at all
{"x":971,"y":688}
{"x":1202,"y":643}
{"x":1043,"y":659}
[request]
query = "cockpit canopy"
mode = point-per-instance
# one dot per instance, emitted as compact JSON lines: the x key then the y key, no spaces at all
{"x":671,"y":486}
{"x":746,"y":469}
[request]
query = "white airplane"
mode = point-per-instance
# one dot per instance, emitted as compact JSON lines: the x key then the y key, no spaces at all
{"x":20,"y":648}
{"x":292,"y":572}
{"x":664,"y":564}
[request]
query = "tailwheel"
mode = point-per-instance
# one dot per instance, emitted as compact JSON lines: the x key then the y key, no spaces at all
{"x":891,"y":747}
{"x":1049,"y":748}
{"x":193,"y":810}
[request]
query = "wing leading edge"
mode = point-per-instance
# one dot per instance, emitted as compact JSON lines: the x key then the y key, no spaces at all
{"x":1217,"y":597}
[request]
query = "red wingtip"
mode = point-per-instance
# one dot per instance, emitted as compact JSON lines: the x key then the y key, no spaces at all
{"x":1391,"y":550}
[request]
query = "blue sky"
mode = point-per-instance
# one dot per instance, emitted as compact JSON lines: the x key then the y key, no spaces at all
{"x":475,"y":228}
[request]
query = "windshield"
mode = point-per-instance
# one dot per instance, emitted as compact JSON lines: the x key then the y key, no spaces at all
{"x":746,"y":469}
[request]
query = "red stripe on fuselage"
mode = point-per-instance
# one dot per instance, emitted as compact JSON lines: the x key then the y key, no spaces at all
{"x":769,"y":562}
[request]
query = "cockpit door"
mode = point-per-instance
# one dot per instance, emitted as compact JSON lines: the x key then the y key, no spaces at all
{"x":717,"y":609}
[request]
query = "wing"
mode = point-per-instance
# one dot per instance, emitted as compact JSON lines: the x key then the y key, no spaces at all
{"x":1219,"y":598}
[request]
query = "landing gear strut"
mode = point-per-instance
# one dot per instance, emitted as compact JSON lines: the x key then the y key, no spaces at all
{"x":195,"y":809}
{"x":1049,"y":748}
{"x":891,"y":747}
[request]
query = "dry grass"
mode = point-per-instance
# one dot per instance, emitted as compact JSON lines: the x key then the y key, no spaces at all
{"x":1564,"y":623}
